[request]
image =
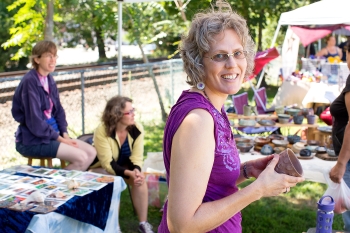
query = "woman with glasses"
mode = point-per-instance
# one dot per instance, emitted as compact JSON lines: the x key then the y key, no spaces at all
{"x":119,"y":144}
{"x":201,"y":159}
{"x":42,"y":130}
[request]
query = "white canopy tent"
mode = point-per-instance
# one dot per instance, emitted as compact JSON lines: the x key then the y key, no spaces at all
{"x":325,"y":12}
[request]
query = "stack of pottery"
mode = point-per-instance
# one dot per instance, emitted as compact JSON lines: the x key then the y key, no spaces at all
{"x":283,"y":118}
{"x":297,"y":147}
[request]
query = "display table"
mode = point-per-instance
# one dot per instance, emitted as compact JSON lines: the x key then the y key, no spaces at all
{"x":314,"y":169}
{"x":311,"y":132}
{"x":95,"y":212}
{"x":321,"y":93}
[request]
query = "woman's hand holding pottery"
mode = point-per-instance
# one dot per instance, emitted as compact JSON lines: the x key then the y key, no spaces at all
{"x":270,"y":183}
{"x":255,"y":167}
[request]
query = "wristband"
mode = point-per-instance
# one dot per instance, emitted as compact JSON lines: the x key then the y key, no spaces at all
{"x":245,"y":171}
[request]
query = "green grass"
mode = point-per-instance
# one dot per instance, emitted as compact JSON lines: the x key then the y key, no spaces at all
{"x":294,"y":212}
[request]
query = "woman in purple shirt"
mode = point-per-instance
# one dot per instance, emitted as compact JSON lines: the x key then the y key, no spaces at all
{"x":200,"y":155}
{"x":42,"y":130}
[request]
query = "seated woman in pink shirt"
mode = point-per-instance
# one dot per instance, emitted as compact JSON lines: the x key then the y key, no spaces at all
{"x":36,"y":106}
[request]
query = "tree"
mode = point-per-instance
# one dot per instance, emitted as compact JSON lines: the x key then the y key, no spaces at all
{"x":140,"y":20}
{"x":28,"y":25}
{"x":100,"y":25}
{"x":49,"y":21}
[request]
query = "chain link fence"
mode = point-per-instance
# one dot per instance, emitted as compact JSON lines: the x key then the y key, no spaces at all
{"x":84,"y":93}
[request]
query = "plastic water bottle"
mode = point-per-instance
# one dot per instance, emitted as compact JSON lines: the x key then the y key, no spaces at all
{"x":325,"y":214}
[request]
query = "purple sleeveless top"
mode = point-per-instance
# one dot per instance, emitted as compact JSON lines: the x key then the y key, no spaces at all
{"x":226,"y":167}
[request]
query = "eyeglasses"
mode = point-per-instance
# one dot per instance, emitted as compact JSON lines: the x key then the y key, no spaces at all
{"x":50,"y":56}
{"x":221,"y":57}
{"x":132,"y":111}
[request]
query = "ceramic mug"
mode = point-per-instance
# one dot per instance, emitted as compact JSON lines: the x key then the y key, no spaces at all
{"x":247,"y":110}
{"x":279,"y":110}
{"x":310,"y":119}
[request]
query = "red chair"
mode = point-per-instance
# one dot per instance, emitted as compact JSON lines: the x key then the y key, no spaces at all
{"x":239,"y":101}
{"x":260,"y":99}
{"x":326,"y":116}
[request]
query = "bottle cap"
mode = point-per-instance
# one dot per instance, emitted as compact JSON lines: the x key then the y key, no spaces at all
{"x":326,"y":203}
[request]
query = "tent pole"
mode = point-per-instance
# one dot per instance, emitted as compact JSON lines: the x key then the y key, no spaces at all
{"x":120,"y":55}
{"x":256,"y":94}
{"x":272,"y":45}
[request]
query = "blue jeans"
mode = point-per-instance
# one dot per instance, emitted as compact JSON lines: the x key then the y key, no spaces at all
{"x":346,"y":214}
{"x":41,"y":150}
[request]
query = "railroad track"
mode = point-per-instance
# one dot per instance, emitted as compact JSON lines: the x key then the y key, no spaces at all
{"x":94,"y":75}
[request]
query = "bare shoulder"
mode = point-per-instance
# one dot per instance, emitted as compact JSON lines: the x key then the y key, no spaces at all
{"x":200,"y":116}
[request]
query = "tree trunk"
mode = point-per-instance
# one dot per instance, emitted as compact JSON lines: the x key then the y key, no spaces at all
{"x":179,"y":5}
{"x":48,"y":34}
{"x":150,"y":71}
{"x":100,"y":43}
{"x":260,"y":28}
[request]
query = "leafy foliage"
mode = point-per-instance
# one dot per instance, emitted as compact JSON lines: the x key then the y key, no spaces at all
{"x":28,"y":26}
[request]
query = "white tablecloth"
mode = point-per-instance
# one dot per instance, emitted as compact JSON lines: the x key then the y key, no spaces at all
{"x":304,"y":94}
{"x":313,"y":169}
{"x":321,"y":93}
{"x":58,"y":223}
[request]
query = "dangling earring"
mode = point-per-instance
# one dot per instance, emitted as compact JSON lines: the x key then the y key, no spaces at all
{"x":200,"y":86}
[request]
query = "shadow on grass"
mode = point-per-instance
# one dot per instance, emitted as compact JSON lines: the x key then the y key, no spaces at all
{"x":288,"y":213}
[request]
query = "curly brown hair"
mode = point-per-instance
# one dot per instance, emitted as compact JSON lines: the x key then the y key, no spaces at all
{"x":204,"y":27}
{"x":113,"y":112}
{"x":44,"y":46}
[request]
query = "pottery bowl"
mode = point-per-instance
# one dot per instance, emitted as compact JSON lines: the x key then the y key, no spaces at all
{"x":313,"y":142}
{"x":278,"y":149}
{"x":305,"y":152}
{"x":283,"y":118}
{"x":243,"y":140}
{"x":244,"y":147}
{"x":293,"y":111}
{"x":321,"y":150}
{"x":281,"y":143}
{"x":312,"y":148}
{"x":331,"y":153}
{"x":243,"y":122}
{"x":286,"y":116}
{"x":260,"y":141}
{"x":276,"y":137}
{"x":266,"y":150}
{"x":298,"y":119}
{"x":297,"y":147}
{"x":293,"y":139}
